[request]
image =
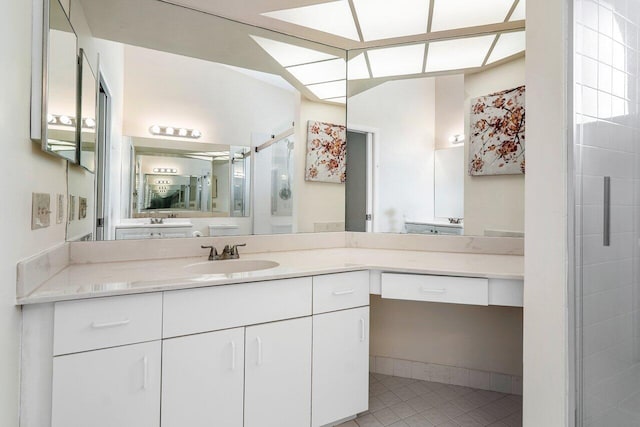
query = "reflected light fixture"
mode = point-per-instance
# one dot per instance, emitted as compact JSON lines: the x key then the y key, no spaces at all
{"x":158,"y":130}
{"x":165,"y":170}
{"x":456,"y":139}
{"x":68,"y":121}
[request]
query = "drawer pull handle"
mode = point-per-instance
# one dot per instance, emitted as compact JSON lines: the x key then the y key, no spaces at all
{"x":363,"y":334}
{"x":345,"y":292}
{"x":259,"y":350}
{"x":433,"y":291}
{"x":233,"y":355}
{"x":145,"y":373}
{"x":110,"y":324}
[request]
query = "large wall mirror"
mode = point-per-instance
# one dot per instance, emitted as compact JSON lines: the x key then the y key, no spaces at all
{"x":211,"y":127}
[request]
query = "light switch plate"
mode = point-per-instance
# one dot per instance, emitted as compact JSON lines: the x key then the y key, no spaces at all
{"x":72,"y":208}
{"x":40,"y":210}
{"x":59,"y":208}
{"x":82,"y":207}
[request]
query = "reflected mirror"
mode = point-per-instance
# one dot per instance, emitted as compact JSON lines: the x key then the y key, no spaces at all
{"x":59,"y":109}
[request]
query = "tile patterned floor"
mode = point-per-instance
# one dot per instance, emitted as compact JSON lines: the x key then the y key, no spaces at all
{"x":403,"y":402}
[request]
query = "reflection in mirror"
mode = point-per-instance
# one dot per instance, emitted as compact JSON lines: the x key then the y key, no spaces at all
{"x":88,"y":91}
{"x":208,"y":132}
{"x":415,"y":169}
{"x":61,"y":99}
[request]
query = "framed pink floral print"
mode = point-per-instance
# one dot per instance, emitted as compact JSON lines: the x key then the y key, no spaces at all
{"x":497,"y":134}
{"x":326,"y":152}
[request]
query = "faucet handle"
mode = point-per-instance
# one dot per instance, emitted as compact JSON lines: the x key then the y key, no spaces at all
{"x":234,"y":248}
{"x":213,"y":253}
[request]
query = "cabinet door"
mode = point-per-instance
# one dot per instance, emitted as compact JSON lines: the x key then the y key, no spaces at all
{"x":202,"y":380}
{"x":340,"y":365}
{"x":278,"y":374}
{"x":119,"y":386}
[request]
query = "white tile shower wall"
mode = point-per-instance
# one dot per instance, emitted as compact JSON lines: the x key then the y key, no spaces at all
{"x":607,"y":136}
{"x":474,"y":378}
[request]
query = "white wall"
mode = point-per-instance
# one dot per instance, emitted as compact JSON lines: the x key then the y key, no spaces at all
{"x":25,"y":169}
{"x":449,"y":109}
{"x":492,"y":202}
{"x":316,"y":202}
{"x":545,"y":288}
{"x":404,"y":113}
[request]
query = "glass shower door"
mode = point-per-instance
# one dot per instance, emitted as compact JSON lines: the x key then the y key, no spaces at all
{"x":607,"y":197}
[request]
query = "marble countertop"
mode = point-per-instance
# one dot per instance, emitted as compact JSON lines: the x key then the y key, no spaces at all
{"x":148,"y":225}
{"x":78,"y":281}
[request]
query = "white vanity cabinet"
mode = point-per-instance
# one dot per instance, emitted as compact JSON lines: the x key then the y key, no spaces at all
{"x":117,"y":386}
{"x":278,"y":374}
{"x":203,"y":380}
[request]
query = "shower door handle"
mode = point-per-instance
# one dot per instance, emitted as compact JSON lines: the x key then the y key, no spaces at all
{"x":606,"y":232}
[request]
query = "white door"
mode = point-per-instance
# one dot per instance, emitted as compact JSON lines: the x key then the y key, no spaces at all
{"x":203,"y":379}
{"x":119,"y":386}
{"x":278,"y":374}
{"x":340,"y":365}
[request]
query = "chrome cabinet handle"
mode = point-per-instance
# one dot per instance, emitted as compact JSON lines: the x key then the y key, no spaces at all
{"x":96,"y":325}
{"x":233,"y":355}
{"x":145,"y":372}
{"x":259,"y":340}
{"x":363,"y":332}
{"x":432,"y":291}
{"x":345,"y":292}
{"x":606,"y":232}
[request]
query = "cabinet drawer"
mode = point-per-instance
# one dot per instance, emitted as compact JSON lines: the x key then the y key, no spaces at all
{"x":333,"y":292}
{"x":447,"y":289}
{"x":106,"y":322}
{"x":222,"y":307}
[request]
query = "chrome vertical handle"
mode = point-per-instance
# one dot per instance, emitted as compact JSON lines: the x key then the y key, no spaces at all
{"x":259,"y":350}
{"x":606,"y":232}
{"x":233,"y":355}
{"x":363,"y":332}
{"x":145,"y":373}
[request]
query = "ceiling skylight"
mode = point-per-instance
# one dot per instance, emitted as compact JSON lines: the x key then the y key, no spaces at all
{"x":397,"y":61}
{"x":341,"y":100}
{"x":457,"y":54}
{"x":329,"y":90}
{"x":383,"y":19}
{"x":520,"y":11}
{"x":508,"y":44}
{"x":451,"y":14}
{"x":357,"y":68}
{"x":334,"y":18}
{"x":288,"y":54}
{"x":319,"y":72}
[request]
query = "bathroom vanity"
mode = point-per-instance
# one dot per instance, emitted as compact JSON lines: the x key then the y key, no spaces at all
{"x":185,"y":341}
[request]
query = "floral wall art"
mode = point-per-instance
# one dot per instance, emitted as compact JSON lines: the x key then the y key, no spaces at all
{"x":326,"y":152}
{"x":497,"y":134}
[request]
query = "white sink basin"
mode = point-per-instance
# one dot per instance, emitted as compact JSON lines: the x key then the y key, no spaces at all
{"x":229,"y":266}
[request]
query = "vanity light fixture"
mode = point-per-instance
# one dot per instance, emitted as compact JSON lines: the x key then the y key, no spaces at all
{"x":165,"y":170}
{"x":456,"y":139}
{"x":175,"y":132}
{"x":163,"y":181}
{"x":67,"y":121}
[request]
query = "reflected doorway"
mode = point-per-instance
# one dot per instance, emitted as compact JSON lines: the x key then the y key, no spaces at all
{"x":359,"y":185}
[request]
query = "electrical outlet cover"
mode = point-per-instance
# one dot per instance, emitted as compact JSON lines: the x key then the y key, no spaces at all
{"x":82,"y":207}
{"x":59,"y":208}
{"x":72,"y":208}
{"x":40,"y":210}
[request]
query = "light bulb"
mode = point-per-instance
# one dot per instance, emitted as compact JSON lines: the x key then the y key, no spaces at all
{"x":89,"y":122}
{"x":51,"y":118}
{"x":155,"y":129}
{"x":65,"y":120}
{"x":196,"y":133}
{"x":182,"y":132}
{"x":169,"y":130}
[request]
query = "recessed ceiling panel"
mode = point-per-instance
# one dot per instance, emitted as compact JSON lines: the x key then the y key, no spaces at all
{"x":520,"y":12}
{"x":458,"y":54}
{"x":329,"y":90}
{"x":318,"y":72}
{"x":396,"y":61}
{"x":288,"y":54}
{"x":451,"y":14}
{"x":357,"y":68}
{"x":341,"y":100}
{"x":384,"y":19}
{"x":508,"y":44}
{"x":334,"y":18}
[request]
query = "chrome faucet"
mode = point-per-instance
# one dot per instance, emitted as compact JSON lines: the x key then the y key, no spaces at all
{"x":229,"y":252}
